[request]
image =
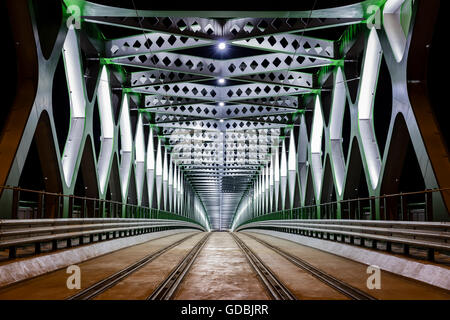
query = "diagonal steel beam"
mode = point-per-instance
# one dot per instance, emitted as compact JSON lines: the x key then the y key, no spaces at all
{"x":150,"y":43}
{"x":220,"y":94}
{"x":286,"y":77}
{"x":291,"y":44}
{"x":160,"y":77}
{"x":222,"y":68}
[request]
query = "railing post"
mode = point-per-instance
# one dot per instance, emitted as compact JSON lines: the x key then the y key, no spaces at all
{"x":70,"y":215}
{"x":349,"y":213}
{"x":430,"y":254}
{"x":12,"y":252}
{"x":372,"y":208}
{"x":40,"y":205}
{"x":374,"y":244}
{"x":388,"y":246}
{"x":429,"y":206}
{"x":359,"y":209}
{"x":406,"y":249}
{"x":58,"y":212}
{"x":338,"y":208}
{"x":83,"y":208}
{"x":405,"y":209}
{"x":402,"y":208}
{"x":15,"y":204}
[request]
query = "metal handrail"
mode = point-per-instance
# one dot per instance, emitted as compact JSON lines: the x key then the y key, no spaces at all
{"x":67,"y":195}
{"x":95,"y":201}
{"x":392,"y":195}
{"x":428,"y":235}
{"x":345,"y":201}
{"x":439,"y":234}
{"x":412,"y":224}
{"x":14,"y":233}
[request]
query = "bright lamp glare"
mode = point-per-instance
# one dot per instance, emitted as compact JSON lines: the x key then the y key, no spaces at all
{"x":222,"y":45}
{"x":221,"y":80}
{"x":221,"y":120}
{"x":221,"y":104}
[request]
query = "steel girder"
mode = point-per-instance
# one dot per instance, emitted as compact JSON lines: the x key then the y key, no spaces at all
{"x":223,"y":68}
{"x":313,"y":167}
{"x":226,"y":112}
{"x":253,"y":130}
{"x":211,"y":29}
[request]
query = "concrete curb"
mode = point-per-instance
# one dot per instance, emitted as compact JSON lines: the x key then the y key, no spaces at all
{"x":430,"y":274}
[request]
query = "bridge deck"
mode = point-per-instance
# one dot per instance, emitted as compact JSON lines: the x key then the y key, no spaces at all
{"x":219,"y":271}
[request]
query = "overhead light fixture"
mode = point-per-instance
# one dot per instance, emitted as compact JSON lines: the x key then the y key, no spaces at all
{"x":221,"y":80}
{"x":222,"y":45}
{"x":221,"y":104}
{"x":221,"y":120}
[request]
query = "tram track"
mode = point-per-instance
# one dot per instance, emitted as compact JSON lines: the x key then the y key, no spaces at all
{"x":273,"y":285}
{"x":167,"y":288}
{"x":104,"y":284}
{"x":276,"y":289}
{"x":337,"y":284}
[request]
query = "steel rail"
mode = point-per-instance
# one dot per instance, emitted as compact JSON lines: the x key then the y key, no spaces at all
{"x":339,"y":285}
{"x":169,"y":286}
{"x":103,"y":285}
{"x":276,"y":289}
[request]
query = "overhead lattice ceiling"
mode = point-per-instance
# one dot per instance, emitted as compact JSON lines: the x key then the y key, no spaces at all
{"x":221,"y":134}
